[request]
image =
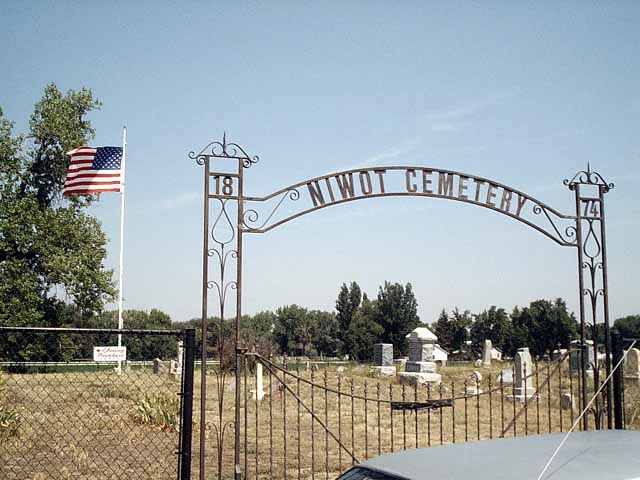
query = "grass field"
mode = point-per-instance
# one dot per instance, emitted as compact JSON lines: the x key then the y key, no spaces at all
{"x":99,"y":425}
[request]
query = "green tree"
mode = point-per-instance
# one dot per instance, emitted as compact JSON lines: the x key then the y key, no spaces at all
{"x":628,"y":326}
{"x":326,"y":332}
{"x":452,"y":329}
{"x":443,"y":329}
{"x":461,"y":322}
{"x":347,"y":305}
{"x":364,"y":331}
{"x":493,"y":324}
{"x":260,"y":325}
{"x":543,"y":326}
{"x":397,"y":314}
{"x":293,"y":330}
{"x":51,"y":251}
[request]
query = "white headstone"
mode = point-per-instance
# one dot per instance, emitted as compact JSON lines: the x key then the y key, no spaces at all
{"x":259,"y":392}
{"x":505,"y":376}
{"x":180,"y":357}
{"x":486,"y":353}
{"x":523,"y":383}
{"x":158,"y":366}
{"x":632,"y":364}
{"x":417,"y":379}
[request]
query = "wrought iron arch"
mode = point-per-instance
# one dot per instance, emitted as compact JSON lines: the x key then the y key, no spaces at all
{"x":452,"y":185}
{"x":224,"y":166}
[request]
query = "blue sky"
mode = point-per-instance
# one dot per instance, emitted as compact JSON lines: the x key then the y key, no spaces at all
{"x":525,"y":93}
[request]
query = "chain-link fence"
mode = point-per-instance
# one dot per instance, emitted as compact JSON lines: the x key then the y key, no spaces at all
{"x":64,"y":415}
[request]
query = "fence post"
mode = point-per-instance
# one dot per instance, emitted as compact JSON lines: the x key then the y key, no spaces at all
{"x":616,"y":340}
{"x":187,"y":404}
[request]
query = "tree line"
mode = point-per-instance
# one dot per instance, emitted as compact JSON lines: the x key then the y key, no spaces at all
{"x":52,"y":273}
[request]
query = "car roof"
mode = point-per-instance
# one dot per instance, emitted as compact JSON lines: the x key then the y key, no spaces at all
{"x":610,"y":454}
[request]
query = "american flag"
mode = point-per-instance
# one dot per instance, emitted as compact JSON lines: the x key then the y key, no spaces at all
{"x":93,"y":170}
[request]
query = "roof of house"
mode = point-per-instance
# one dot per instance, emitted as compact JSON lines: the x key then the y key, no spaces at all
{"x":423,"y":333}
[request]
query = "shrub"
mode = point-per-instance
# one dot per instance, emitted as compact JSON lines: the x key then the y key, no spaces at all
{"x":158,"y":410}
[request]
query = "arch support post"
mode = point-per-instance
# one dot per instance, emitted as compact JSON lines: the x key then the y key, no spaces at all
{"x":224,"y":165}
{"x":589,"y":188}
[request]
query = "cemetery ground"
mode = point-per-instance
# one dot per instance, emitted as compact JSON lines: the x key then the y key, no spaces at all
{"x":93,"y":424}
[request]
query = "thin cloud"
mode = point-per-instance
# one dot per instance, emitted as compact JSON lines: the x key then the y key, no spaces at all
{"x":455,"y":117}
{"x":387,"y":155}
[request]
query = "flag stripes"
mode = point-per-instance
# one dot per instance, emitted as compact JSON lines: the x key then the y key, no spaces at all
{"x":94,"y":170}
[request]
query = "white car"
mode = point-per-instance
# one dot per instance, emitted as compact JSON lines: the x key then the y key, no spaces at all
{"x":599,"y":455}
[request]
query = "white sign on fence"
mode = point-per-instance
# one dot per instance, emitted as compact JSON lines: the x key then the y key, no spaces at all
{"x":109,"y":354}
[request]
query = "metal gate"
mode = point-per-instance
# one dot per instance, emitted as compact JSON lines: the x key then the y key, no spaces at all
{"x":235,"y":214}
{"x":65,"y":416}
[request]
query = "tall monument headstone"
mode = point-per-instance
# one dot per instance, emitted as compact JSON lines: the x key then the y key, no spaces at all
{"x":486,"y":353}
{"x":258,"y":394}
{"x":421,"y":367}
{"x":523,"y":383}
{"x":421,"y":345}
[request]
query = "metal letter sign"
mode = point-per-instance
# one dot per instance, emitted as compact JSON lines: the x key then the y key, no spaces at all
{"x":237,"y":214}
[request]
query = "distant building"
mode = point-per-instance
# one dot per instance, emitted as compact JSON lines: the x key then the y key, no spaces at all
{"x":496,"y":354}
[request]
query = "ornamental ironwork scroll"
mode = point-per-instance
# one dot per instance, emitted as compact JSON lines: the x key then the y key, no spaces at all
{"x":275,"y":209}
{"x":224,"y":164}
{"x":235,"y":214}
{"x":589,"y":188}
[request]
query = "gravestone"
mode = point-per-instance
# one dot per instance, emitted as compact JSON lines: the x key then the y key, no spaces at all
{"x":158,"y":367}
{"x":472,"y":390}
{"x":575,"y":355}
{"x":473,"y":387}
{"x":523,"y":383}
{"x":421,"y":367}
{"x":557,"y":354}
{"x":258,"y":393}
{"x":486,"y":353}
{"x":421,"y":345}
{"x":505,"y":376}
{"x":419,"y":379}
{"x":180,"y":357}
{"x":632,"y":364}
{"x":383,"y":354}
{"x":567,"y":401}
{"x":400,"y":362}
{"x":383,"y":360}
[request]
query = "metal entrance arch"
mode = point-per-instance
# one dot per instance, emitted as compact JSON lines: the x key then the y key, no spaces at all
{"x":238,"y":214}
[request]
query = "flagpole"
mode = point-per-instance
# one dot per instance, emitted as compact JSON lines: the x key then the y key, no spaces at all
{"x":122,"y":187}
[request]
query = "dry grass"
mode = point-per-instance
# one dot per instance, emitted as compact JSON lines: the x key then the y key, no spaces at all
{"x":82,"y":426}
{"x":85,"y":426}
{"x":282,"y":439}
